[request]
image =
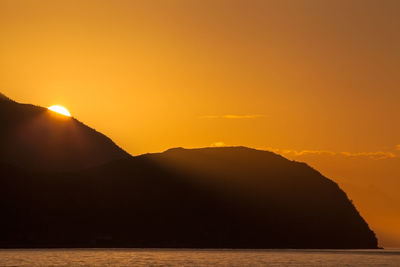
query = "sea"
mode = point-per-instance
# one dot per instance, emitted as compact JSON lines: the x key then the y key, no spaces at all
{"x":197,"y":257}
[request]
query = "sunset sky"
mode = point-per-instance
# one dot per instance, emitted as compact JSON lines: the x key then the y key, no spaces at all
{"x":316,"y":81}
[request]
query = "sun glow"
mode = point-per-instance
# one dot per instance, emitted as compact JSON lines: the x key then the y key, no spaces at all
{"x":60,"y":109}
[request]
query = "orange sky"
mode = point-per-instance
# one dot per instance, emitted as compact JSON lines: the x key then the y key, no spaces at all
{"x":297,"y":77}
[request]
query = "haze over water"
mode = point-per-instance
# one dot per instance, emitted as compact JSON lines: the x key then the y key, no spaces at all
{"x":178,"y":257}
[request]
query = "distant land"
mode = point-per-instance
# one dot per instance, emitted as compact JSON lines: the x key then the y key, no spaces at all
{"x":65,"y":185}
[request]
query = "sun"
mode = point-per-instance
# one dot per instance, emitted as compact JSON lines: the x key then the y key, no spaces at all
{"x":60,"y":109}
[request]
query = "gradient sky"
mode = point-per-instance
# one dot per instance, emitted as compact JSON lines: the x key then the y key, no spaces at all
{"x":316,"y":81}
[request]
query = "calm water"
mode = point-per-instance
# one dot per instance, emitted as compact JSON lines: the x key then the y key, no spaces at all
{"x":160,"y":257}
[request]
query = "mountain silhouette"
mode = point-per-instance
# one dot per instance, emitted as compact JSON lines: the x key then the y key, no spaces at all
{"x":205,"y":198}
{"x":229,"y":197}
{"x":36,"y":138}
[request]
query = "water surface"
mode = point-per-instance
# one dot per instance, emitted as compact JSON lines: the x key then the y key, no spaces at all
{"x":179,"y":257}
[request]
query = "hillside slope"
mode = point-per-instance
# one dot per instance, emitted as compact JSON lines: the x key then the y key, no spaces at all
{"x":34,"y":137}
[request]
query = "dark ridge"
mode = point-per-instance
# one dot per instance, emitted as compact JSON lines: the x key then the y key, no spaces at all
{"x":35,"y":138}
{"x":232,"y":197}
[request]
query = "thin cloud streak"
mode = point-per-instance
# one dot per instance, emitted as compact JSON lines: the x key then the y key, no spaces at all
{"x":371,"y":155}
{"x":302,"y":152}
{"x":376,"y":155}
{"x":232,"y":116}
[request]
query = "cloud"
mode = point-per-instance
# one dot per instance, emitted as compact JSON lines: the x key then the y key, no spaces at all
{"x":218,"y":144}
{"x":301,"y":152}
{"x":232,"y":116}
{"x":312,"y":152}
{"x":371,"y":155}
{"x":398,"y":147}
